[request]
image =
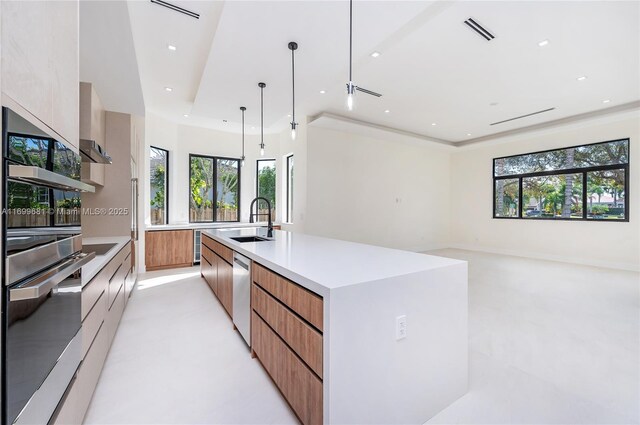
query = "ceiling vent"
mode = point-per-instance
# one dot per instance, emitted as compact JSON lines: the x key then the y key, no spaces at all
{"x":479,"y":29}
{"x":176,"y":8}
{"x":522,"y":116}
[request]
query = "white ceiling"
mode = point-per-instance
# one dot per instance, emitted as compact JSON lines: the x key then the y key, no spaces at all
{"x":108,"y":57}
{"x":432,"y":67}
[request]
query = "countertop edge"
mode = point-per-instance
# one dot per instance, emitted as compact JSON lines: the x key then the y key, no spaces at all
{"x":95,"y":266}
{"x":309,"y":284}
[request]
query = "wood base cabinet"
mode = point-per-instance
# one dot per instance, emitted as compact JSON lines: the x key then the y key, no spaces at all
{"x":286,"y":336}
{"x":168,"y":249}
{"x":300,"y":386}
{"x":216,"y":268}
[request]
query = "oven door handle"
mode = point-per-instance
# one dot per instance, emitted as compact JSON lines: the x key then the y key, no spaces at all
{"x":42,"y":284}
{"x":43,"y":177}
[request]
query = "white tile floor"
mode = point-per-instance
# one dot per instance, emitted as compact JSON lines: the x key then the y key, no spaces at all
{"x":177,"y":360}
{"x":549,"y":343}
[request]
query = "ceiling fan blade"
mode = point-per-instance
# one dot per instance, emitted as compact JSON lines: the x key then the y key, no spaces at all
{"x":372,"y":93}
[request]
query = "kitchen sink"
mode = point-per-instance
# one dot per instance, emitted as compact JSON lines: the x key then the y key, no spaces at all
{"x":243,"y":239}
{"x":98,"y":248}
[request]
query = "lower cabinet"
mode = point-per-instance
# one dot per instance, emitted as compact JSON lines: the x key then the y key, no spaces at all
{"x":103,"y":302}
{"x":166,"y":249}
{"x":286,"y":336}
{"x":286,"y":328}
{"x":225,"y":285}
{"x":299,"y":385}
{"x":217,"y":271}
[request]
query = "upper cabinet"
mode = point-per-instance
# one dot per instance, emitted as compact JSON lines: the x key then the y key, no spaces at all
{"x":40,"y":64}
{"x":92,"y":115}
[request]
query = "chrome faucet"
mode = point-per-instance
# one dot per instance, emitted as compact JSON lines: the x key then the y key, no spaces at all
{"x":251,"y":214}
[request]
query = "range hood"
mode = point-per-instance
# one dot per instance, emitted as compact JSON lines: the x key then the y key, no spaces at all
{"x":91,"y":151}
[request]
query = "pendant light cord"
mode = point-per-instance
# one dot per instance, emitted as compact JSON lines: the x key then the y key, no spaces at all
{"x":350,"y":38}
{"x":293,"y":88}
{"x":242,"y":133}
{"x":261,"y":115}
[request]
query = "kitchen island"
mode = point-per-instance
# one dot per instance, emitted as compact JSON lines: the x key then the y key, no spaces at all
{"x":352,"y":333}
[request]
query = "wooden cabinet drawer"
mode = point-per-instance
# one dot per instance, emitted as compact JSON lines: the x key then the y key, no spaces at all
{"x":224,"y":285}
{"x":300,"y":386}
{"x":302,"y":338}
{"x":91,"y":324}
{"x":206,"y":253}
{"x":215,"y":246}
{"x":210,"y":273}
{"x":225,"y":253}
{"x":304,"y":302}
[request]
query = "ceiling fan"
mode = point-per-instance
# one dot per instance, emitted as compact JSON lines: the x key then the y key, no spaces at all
{"x":351,"y":87}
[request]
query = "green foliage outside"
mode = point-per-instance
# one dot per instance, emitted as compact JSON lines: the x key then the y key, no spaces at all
{"x":267,"y":184}
{"x":201,"y":186}
{"x":561,"y":195}
{"x":158,"y":181}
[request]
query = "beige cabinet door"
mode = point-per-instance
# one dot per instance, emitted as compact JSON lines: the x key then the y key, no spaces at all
{"x":26,"y":45}
{"x":65,"y":70}
{"x":40,"y":65}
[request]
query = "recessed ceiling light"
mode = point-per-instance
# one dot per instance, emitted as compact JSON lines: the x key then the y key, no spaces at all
{"x":172,"y":47}
{"x":433,"y":123}
{"x":289,"y":115}
{"x":386,"y":111}
{"x":543,"y":43}
{"x":168,"y":89}
{"x":323,"y":91}
{"x":468,"y":134}
{"x":375,"y":54}
{"x":581,"y":78}
{"x":606,"y":101}
{"x":186,"y":115}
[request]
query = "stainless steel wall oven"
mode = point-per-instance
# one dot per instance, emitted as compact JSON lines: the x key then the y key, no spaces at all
{"x":41,"y":271}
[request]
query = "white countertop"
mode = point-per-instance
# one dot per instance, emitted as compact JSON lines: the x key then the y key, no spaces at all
{"x":186,"y":226}
{"x":323,"y":264}
{"x":93,"y":267}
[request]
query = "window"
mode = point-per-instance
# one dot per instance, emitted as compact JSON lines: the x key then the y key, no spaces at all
{"x":214,"y":179}
{"x":588,"y":182}
{"x":289,"y":189}
{"x":159,"y":183}
{"x":266,"y":185}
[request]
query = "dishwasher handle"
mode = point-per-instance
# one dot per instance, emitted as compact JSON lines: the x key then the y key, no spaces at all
{"x":241,"y":263}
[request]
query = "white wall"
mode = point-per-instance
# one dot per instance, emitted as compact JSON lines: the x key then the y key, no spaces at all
{"x":608,"y":244}
{"x":180,"y":141}
{"x":376,"y":191}
{"x":297,"y":148}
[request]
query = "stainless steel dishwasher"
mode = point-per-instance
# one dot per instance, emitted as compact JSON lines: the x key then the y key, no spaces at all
{"x":242,"y":294}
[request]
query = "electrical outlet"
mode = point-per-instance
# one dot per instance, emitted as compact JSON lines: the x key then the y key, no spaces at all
{"x":401,"y":327}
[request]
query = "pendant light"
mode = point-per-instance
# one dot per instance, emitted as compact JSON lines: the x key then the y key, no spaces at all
{"x":351,"y":87}
{"x":242,"y":108}
{"x":262,"y":86}
{"x":293,"y":46}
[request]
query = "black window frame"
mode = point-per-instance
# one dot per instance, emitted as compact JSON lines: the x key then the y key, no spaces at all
{"x":584,"y":171}
{"x":289,"y":209}
{"x":215,"y":187}
{"x":166,"y":187}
